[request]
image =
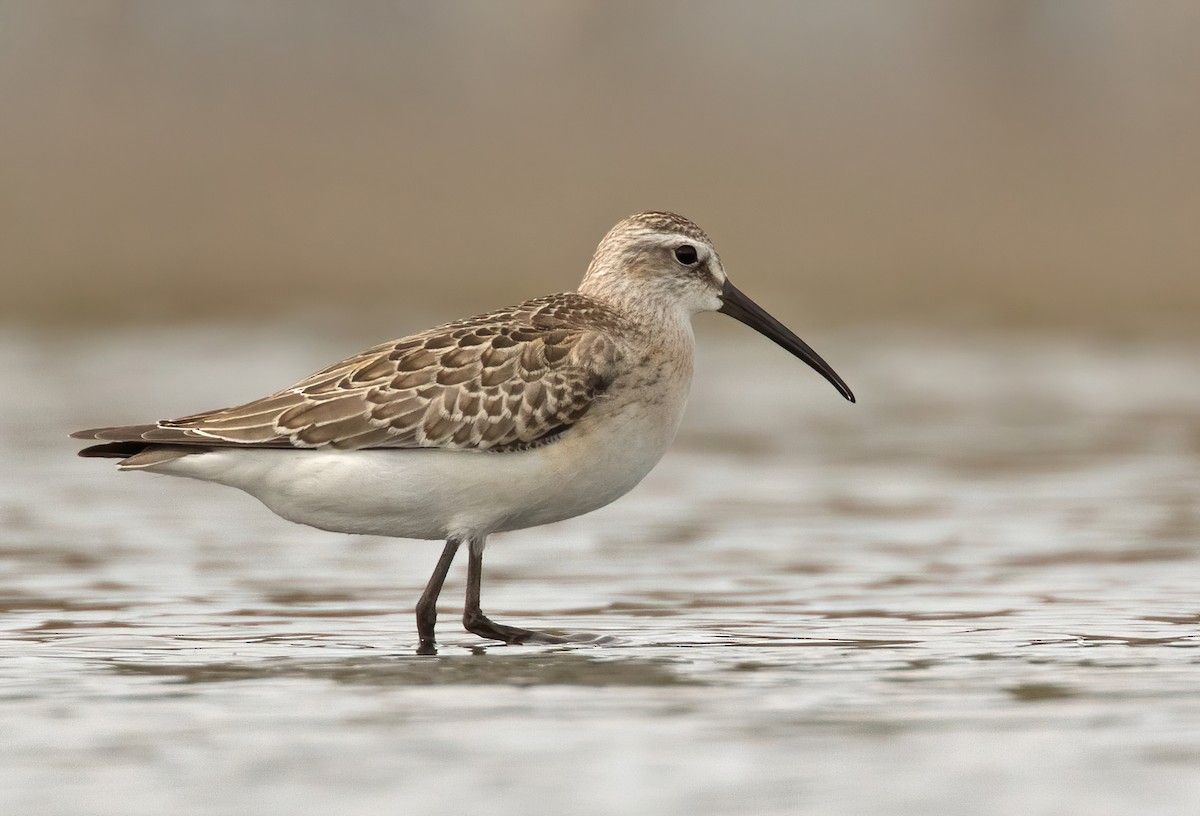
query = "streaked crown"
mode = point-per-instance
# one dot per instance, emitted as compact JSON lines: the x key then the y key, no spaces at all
{"x":660,"y":222}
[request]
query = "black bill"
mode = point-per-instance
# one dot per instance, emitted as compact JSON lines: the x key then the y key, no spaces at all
{"x":742,"y":308}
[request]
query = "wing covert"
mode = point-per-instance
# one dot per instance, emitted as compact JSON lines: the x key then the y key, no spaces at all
{"x":505,"y":381}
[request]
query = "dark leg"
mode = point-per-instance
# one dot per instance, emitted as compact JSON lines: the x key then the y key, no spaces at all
{"x":478,"y":623}
{"x":427,"y":606}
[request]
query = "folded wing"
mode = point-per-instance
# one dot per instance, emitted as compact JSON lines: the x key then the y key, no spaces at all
{"x":503,"y":381}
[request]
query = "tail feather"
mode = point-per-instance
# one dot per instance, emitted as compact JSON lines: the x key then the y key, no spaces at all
{"x":136,"y":455}
{"x":113,"y":450}
{"x":159,"y":454}
{"x":146,"y":446}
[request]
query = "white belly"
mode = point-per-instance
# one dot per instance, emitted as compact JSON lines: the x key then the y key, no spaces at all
{"x":435,"y":494}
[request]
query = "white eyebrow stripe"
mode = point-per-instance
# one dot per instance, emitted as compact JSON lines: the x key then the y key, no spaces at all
{"x":677,"y":239}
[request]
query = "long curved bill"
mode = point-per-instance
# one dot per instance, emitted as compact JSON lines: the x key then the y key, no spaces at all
{"x":742,"y":308}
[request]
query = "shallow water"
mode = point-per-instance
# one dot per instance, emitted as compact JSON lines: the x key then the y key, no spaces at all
{"x":973,"y":592}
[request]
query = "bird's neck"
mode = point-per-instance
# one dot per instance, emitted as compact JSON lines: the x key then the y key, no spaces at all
{"x":654,"y":313}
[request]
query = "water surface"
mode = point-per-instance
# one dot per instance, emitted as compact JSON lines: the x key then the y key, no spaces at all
{"x":975,"y":591}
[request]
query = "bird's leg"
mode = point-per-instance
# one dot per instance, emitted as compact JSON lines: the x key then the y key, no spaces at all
{"x":427,"y":606}
{"x":478,"y":623}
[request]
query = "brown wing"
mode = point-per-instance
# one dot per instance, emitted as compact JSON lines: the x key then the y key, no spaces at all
{"x":503,"y":381}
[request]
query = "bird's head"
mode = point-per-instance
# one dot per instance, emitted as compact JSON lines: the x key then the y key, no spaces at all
{"x":660,"y":262}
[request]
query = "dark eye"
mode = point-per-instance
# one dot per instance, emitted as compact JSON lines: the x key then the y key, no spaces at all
{"x":686,"y":254}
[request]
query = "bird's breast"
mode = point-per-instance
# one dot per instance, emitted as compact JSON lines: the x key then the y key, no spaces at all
{"x":614,"y":446}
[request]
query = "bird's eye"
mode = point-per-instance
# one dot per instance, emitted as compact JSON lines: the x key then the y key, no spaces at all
{"x":686,"y":254}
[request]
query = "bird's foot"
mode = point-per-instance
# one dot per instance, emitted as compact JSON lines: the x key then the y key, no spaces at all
{"x":478,"y":623}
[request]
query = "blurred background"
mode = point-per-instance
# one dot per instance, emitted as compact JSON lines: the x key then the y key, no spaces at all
{"x":972,"y":592}
{"x":997,"y":162}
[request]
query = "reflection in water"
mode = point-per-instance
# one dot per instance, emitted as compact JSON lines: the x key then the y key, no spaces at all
{"x":985,"y":570}
{"x":561,"y":668}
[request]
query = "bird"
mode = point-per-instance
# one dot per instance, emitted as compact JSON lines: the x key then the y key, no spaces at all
{"x":504,"y":421}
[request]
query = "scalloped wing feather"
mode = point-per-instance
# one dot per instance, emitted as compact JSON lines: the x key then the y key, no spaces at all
{"x":507,"y":380}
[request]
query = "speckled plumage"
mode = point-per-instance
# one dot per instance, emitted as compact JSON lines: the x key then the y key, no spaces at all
{"x":504,"y":381}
